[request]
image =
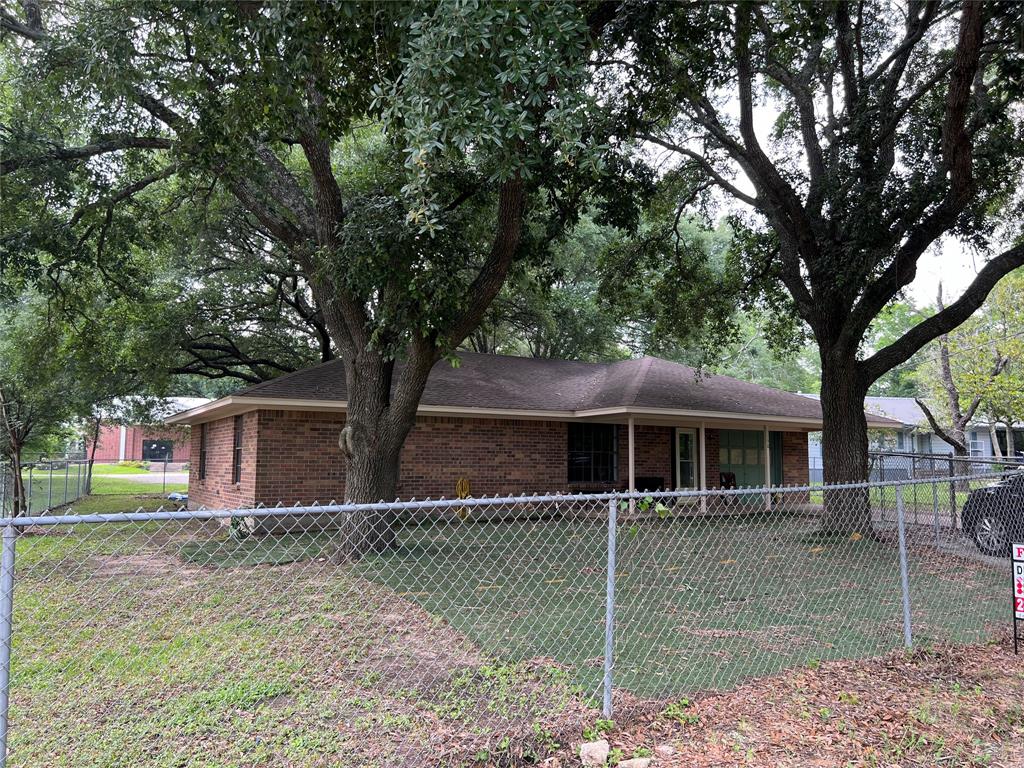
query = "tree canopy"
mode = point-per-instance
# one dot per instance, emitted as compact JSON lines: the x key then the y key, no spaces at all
{"x":976,"y":372}
{"x":269,"y":185}
{"x":851,"y":138}
{"x":403,"y":185}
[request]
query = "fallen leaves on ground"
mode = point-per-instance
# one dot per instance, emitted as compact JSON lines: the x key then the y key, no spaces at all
{"x":946,"y":706}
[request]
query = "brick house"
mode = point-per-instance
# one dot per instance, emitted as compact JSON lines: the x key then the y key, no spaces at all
{"x":509,"y":425}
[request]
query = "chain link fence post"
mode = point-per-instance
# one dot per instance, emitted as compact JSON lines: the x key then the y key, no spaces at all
{"x":935,"y":509}
{"x":609,"y":611}
{"x":6,"y":624}
{"x":879,"y":464}
{"x":908,"y":639}
{"x":913,"y":476}
{"x":952,"y":494}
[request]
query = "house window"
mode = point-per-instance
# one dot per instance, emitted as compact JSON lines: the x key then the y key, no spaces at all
{"x":236,"y":452}
{"x":593,"y":453}
{"x":157,"y":450}
{"x":687,"y":466}
{"x":204,"y":436}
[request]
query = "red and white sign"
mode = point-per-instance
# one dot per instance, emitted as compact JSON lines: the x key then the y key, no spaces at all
{"x":1017,"y":552}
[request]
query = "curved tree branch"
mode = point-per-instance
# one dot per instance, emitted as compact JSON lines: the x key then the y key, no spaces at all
{"x":84,"y":152}
{"x":937,"y":428}
{"x":949,"y":318}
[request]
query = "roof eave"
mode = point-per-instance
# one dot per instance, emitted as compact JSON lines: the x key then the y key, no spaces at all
{"x":234,"y":405}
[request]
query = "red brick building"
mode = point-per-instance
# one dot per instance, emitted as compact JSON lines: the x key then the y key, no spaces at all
{"x":147,"y":442}
{"x":509,"y":425}
{"x":141,"y":443}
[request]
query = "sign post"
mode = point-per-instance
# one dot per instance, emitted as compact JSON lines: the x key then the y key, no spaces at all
{"x":1017,"y":566}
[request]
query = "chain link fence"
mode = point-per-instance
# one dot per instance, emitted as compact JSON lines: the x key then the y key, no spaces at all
{"x":45,"y":485}
{"x":898,"y":465}
{"x":51,"y":484}
{"x":476,"y":631}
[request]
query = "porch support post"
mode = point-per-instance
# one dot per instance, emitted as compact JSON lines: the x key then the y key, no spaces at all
{"x":703,"y":459}
{"x":767,"y":470}
{"x":632,"y":463}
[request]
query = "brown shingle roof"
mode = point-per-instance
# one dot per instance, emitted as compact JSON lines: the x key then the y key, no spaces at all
{"x":535,"y":384}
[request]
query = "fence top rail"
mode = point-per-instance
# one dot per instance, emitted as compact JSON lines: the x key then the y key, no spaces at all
{"x":952,"y":457}
{"x":483,"y":501}
{"x":47,"y":463}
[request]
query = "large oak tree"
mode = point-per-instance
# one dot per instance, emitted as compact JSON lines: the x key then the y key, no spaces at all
{"x":856,"y":136}
{"x":395,"y":153}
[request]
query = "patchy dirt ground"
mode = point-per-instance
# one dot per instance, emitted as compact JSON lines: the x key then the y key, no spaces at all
{"x":168,"y":645}
{"x":125,"y":655}
{"x":937,"y":707}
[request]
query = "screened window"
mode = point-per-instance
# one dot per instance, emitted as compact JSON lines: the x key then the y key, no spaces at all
{"x":593,"y":454}
{"x":236,"y":452}
{"x":204,"y":436}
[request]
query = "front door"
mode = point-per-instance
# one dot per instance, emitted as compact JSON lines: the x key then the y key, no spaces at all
{"x":741,"y":456}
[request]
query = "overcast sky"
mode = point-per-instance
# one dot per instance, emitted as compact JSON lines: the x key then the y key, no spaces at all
{"x":950,"y":262}
{"x":954,"y":265}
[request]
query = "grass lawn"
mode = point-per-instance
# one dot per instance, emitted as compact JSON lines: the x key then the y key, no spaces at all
{"x":109,"y":504}
{"x":118,"y":485}
{"x":118,"y":469}
{"x":127,"y":655}
{"x":49,"y":491}
{"x":470,"y":642}
{"x":701,"y":605}
{"x":922,"y":497}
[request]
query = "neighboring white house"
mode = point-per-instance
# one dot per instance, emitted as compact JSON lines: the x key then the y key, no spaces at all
{"x":915,"y":435}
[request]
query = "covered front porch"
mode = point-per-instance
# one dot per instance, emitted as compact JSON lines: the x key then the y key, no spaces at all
{"x":652,"y":452}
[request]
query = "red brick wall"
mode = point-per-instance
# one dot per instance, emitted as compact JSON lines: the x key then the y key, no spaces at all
{"x":217,"y":491}
{"x":711,"y":462}
{"x":652,"y":455}
{"x":108,"y":446}
{"x":497,"y":456}
{"x":298,"y":459}
{"x":794,"y":459}
{"x":292,"y":456}
{"x":179,"y":436}
{"x":109,"y":443}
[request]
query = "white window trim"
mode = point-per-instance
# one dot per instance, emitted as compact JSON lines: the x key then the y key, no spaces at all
{"x":696,"y":461}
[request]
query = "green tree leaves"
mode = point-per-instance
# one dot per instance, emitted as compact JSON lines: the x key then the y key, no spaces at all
{"x":500,"y":85}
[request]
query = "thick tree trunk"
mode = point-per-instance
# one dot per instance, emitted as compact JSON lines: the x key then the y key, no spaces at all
{"x":377,"y":422}
{"x":371,"y":477}
{"x":844,"y":446}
